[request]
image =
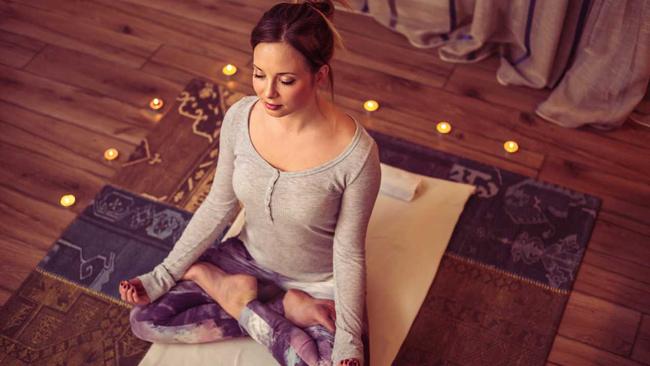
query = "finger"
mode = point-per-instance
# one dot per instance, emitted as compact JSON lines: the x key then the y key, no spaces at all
{"x":126,"y":294}
{"x":129,"y":294}
{"x":122,"y":292}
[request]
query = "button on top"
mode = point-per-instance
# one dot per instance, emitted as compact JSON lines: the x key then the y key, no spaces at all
{"x":269,"y":193}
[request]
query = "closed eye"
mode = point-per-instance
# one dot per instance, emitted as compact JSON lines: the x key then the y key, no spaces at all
{"x":283,"y":82}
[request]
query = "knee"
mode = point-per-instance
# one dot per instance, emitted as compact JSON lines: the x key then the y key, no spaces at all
{"x":144,"y":328}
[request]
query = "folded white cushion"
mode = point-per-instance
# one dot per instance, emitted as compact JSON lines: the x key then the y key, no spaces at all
{"x":398,"y":183}
{"x":404,"y":245}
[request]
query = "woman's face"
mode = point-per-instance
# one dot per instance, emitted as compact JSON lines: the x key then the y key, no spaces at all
{"x":281,"y":78}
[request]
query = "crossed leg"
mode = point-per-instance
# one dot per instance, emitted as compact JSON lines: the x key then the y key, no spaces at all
{"x":210,"y":304}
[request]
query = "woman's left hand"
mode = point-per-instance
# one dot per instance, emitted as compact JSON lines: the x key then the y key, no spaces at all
{"x":303,"y":310}
{"x":350,"y":362}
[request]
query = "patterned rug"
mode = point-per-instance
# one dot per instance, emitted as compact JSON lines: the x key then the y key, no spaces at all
{"x":497,"y":299}
{"x":53,"y":321}
{"x":502,"y":286}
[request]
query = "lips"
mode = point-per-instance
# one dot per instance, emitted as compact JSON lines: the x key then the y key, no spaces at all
{"x":272,"y":106}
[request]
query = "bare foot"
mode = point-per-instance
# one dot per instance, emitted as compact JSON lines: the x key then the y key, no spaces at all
{"x":232,"y":292}
{"x":303,"y":310}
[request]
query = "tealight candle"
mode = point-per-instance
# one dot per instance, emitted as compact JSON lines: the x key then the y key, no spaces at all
{"x":111,"y":154}
{"x":156,"y":104}
{"x":511,"y":146}
{"x":371,"y":105}
{"x":67,"y":200}
{"x":229,"y":70}
{"x":443,"y":127}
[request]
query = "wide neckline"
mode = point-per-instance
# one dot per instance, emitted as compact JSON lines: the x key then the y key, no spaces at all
{"x":316,"y":169}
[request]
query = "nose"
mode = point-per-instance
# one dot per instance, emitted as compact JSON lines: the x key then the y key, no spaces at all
{"x":270,"y":90}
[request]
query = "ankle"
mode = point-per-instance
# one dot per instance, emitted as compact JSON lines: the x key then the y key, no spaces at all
{"x":193,"y":273}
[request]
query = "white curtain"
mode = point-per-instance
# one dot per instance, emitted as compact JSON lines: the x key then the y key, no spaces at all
{"x":593,"y":54}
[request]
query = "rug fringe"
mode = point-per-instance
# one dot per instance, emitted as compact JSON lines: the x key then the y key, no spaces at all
{"x":508,"y":274}
{"x":85,"y":289}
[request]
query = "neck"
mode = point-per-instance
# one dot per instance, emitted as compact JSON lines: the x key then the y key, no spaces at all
{"x":314,"y":115}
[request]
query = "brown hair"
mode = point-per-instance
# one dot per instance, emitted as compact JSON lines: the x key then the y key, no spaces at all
{"x":307,"y":27}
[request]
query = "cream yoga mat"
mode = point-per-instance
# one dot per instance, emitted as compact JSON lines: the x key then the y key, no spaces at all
{"x":405,"y":243}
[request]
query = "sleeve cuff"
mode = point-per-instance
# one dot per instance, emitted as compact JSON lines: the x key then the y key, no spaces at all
{"x":157,"y":282}
{"x":350,"y":349}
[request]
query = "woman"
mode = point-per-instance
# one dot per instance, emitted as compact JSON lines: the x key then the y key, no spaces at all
{"x":307,"y":175}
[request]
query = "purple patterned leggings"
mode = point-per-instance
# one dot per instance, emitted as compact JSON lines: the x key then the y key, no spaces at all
{"x":187,"y":314}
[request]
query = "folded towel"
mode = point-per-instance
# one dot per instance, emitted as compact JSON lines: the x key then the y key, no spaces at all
{"x":398,"y":183}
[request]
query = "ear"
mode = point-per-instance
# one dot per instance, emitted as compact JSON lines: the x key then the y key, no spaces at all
{"x":322,"y":76}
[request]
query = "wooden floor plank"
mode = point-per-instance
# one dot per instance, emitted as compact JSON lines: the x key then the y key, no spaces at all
{"x":600,"y":323}
{"x":641,"y":351}
{"x":81,"y":141}
{"x":47,"y":179}
{"x":19,"y":261}
{"x":30,"y":220}
{"x":160,"y":23}
{"x":617,"y":242}
{"x":209,"y":12}
{"x":481,"y":83}
{"x":112,"y":80}
{"x":152,"y":25}
{"x":631,"y":224}
{"x":169,"y":72}
{"x":71,"y":33}
{"x":631,"y":270}
{"x":71,"y":104}
{"x":613,"y":287}
{"x":55,"y":150}
{"x":568,"y":352}
{"x":16,"y":50}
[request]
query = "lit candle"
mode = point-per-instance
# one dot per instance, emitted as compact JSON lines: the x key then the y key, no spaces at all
{"x":371,"y":105}
{"x":443,"y":127}
{"x":156,"y":104}
{"x":511,"y":146}
{"x":229,"y":70}
{"x":67,"y":200}
{"x":111,"y":154}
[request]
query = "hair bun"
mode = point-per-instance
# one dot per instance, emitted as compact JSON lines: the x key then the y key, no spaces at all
{"x":326,"y":7}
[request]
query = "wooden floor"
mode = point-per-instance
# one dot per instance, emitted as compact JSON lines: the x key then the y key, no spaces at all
{"x":75,"y":77}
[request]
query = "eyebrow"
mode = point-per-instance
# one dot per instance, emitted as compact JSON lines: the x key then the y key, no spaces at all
{"x":280,"y":73}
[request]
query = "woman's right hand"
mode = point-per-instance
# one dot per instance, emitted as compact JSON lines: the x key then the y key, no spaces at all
{"x":133,"y":292}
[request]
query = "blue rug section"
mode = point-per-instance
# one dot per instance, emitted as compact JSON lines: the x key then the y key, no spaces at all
{"x":120,"y":235}
{"x":515,"y":223}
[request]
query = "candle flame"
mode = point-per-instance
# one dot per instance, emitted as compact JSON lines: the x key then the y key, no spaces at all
{"x":443,"y":127}
{"x":67,"y":200}
{"x":371,"y":105}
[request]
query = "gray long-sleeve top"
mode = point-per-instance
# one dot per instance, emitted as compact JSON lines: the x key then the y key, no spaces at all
{"x":308,"y":225}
